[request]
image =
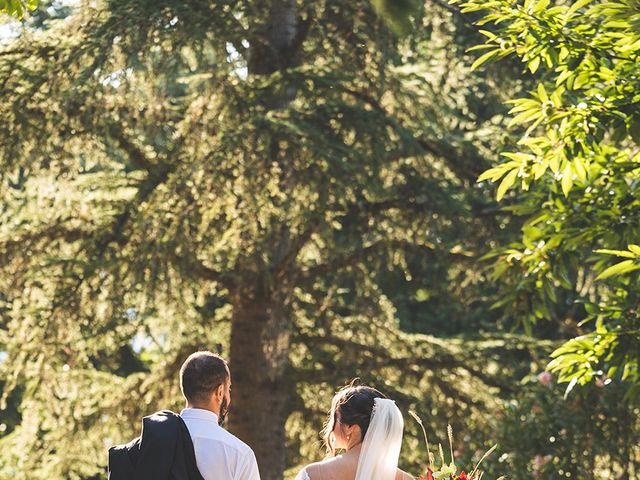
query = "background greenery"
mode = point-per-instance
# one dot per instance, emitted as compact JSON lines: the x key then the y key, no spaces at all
{"x":294,"y":184}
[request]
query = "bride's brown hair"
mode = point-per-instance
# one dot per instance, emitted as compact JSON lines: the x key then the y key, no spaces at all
{"x":354,"y":404}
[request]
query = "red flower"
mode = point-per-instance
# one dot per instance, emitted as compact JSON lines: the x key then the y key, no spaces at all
{"x":462,"y":476}
{"x":429,"y":474}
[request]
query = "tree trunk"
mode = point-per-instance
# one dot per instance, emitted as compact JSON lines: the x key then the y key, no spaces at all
{"x":275,"y":42}
{"x":260,"y":325}
{"x":258,"y":363}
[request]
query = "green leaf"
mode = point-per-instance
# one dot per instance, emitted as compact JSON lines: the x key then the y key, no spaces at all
{"x":519,"y":157}
{"x":563,"y":76}
{"x":582,"y":79}
{"x":484,"y":58}
{"x":579,"y":169}
{"x":577,"y":6}
{"x":554,"y":163}
{"x":496,"y":173}
{"x":506,"y":183}
{"x":523,"y":104}
{"x":567,"y":179}
{"x":541,"y":5}
{"x":556,"y":97}
{"x":17,"y":7}
{"x":625,"y":266}
{"x":486,"y":175}
{"x":483,"y":46}
{"x":564,"y":53}
{"x":525,"y":117}
{"x":534,"y":64}
{"x":542,"y":93}
{"x":488,"y":34}
{"x":492,"y":174}
{"x":617,"y":253}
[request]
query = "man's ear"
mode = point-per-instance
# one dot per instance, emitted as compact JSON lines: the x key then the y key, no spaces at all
{"x":220,"y":392}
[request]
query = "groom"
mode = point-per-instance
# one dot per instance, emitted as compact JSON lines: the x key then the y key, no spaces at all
{"x":205,"y":381}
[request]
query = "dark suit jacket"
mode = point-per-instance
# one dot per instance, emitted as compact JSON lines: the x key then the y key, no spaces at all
{"x":163,"y":451}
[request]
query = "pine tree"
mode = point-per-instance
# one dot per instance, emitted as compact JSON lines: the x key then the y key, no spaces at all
{"x":180,"y":174}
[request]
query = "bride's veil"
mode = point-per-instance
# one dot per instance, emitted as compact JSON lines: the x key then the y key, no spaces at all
{"x":382,"y":442}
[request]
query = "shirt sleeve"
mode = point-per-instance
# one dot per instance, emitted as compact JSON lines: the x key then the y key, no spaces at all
{"x":249,"y":468}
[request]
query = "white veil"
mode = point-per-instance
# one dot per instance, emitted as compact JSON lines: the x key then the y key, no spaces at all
{"x":381,"y":446}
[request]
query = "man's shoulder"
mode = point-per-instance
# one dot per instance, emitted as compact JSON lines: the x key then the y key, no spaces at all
{"x":235,"y":442}
{"x":203,"y":427}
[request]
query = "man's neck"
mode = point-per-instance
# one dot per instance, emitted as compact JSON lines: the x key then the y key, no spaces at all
{"x":211,"y":408}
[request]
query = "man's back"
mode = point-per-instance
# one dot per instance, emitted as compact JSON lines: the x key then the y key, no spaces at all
{"x":219,"y":454}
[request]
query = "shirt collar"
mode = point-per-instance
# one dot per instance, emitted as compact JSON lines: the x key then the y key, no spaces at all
{"x":200,"y":414}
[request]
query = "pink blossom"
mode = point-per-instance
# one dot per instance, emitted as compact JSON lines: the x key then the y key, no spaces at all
{"x":540,"y":461}
{"x":545,"y":378}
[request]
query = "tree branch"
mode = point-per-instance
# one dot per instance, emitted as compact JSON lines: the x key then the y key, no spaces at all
{"x":444,"y":360}
{"x":350,"y":258}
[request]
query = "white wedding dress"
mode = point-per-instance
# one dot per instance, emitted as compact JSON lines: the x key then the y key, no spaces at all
{"x":381,"y":446}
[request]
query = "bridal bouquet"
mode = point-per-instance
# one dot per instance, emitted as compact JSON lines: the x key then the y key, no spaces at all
{"x":448,"y":471}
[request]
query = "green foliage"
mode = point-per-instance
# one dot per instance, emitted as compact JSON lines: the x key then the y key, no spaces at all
{"x":153,"y":180}
{"x":624,"y":266}
{"x":155,"y":173}
{"x":17,"y":8}
{"x":577,"y":162}
{"x":590,"y":435}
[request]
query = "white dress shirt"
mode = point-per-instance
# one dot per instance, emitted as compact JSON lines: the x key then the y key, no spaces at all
{"x":219,"y":454}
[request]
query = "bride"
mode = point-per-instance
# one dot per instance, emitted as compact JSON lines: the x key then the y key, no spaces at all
{"x":368,"y":427}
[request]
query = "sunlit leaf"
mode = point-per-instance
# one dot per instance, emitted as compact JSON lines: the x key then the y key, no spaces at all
{"x":623,"y":267}
{"x":506,"y":183}
{"x":567,"y":179}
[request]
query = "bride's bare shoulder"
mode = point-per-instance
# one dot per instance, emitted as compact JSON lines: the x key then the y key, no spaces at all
{"x":333,"y":467}
{"x":323,"y":468}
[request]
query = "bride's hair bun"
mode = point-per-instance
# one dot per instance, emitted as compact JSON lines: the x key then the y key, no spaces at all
{"x":353,"y":404}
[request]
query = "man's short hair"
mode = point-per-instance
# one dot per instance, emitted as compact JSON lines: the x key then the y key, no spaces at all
{"x":201,"y":374}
